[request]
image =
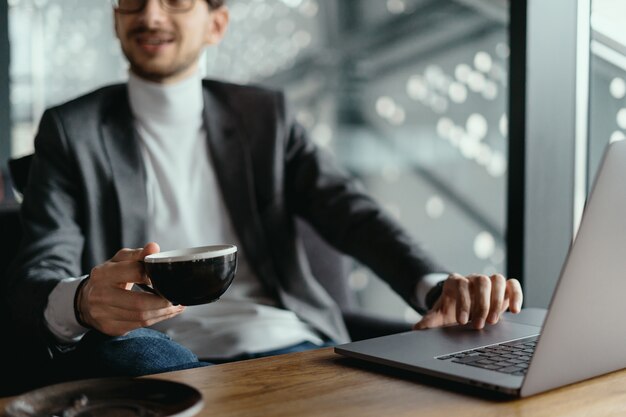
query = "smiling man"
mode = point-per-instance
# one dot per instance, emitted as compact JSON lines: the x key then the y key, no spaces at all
{"x":166,"y":49}
{"x":177,"y":161}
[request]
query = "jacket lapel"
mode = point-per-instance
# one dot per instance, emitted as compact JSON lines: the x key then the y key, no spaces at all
{"x":233,"y":167}
{"x":122,"y":146}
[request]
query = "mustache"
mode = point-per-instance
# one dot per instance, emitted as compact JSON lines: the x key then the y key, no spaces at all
{"x":145,"y":30}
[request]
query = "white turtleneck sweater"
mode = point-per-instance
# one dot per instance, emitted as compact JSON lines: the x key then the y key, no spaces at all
{"x":186,"y":209}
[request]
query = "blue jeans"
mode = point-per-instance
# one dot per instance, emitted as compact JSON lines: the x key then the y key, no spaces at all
{"x":140,"y":352}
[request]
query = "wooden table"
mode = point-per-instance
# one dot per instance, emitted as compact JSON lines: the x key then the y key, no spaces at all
{"x":321,"y":383}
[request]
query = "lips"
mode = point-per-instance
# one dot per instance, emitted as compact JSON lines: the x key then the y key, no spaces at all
{"x":153,"y":42}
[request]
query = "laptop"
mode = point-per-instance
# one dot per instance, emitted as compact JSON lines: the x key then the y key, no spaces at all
{"x":582,"y":335}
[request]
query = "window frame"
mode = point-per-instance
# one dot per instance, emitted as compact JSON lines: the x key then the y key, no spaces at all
{"x":549,"y":135}
{"x":5,"y":104}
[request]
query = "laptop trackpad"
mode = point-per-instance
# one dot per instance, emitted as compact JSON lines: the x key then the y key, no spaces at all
{"x":532,"y":315}
{"x":416,"y":346}
{"x":456,"y":338}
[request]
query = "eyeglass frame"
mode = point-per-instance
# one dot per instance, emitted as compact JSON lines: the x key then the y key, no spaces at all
{"x":163,"y":3}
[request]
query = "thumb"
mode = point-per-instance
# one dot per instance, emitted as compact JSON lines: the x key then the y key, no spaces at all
{"x":135,"y":255}
{"x":149,"y":249}
{"x":430,"y":320}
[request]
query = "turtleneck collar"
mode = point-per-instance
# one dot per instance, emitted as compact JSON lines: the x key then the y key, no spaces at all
{"x":181,"y":102}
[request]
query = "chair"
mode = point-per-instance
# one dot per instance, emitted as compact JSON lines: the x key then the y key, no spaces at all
{"x":10,"y":236}
{"x":331,"y":268}
{"x":19,"y":168}
{"x":17,"y":373}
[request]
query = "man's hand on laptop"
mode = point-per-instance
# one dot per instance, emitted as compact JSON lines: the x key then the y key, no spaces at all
{"x":479,"y":299}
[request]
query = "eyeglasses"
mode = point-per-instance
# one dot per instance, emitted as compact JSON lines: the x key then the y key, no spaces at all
{"x":135,"y":6}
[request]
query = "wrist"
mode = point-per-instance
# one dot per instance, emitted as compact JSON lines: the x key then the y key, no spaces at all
{"x":433,"y":295}
{"x":78,"y":310}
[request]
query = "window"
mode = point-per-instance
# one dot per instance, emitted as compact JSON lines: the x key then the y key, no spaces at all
{"x":607,"y":96}
{"x":411,"y":96}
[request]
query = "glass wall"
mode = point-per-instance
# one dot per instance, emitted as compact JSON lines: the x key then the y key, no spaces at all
{"x":607,"y":96}
{"x":409,"y":95}
{"x":59,"y":50}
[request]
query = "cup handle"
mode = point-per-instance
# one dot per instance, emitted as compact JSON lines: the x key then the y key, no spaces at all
{"x":145,"y":287}
{"x":148,"y":288}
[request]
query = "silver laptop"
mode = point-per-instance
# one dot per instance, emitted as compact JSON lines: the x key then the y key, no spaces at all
{"x":583,"y":334}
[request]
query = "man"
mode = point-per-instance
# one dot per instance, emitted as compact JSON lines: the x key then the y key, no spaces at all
{"x":176,"y":161}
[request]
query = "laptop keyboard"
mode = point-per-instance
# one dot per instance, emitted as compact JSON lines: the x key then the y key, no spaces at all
{"x":509,"y":358}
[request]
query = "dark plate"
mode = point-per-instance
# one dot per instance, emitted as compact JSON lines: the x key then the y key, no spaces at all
{"x":119,"y":397}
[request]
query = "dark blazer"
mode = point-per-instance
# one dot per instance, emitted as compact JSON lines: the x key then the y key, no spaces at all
{"x":85,"y":199}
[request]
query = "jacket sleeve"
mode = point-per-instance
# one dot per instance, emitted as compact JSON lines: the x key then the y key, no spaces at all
{"x":340,"y":210}
{"x":52,"y":239}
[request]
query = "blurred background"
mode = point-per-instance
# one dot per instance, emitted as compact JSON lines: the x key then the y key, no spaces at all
{"x":411,"y":96}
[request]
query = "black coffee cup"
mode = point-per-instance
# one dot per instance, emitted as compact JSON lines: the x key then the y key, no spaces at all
{"x":192,"y":276}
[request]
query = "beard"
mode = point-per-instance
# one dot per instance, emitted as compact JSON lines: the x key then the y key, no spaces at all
{"x":158,"y":68}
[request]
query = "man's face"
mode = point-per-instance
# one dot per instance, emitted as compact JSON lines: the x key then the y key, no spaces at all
{"x":163,"y":46}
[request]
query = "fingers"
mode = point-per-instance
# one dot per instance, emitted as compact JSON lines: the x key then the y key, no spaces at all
{"x":476,"y":298}
{"x":107,"y":304}
{"x":433,"y":319}
{"x":125,"y":267}
{"x":119,"y":273}
{"x":128,"y":300}
{"x":514,"y":295}
{"x":117,"y":322}
{"x":429,"y":321}
{"x":135,"y":255}
{"x":480,"y":288}
{"x":128,"y":255}
{"x":498,"y":287}
{"x":104,"y":307}
{"x":150,"y":248}
{"x":461,"y":292}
